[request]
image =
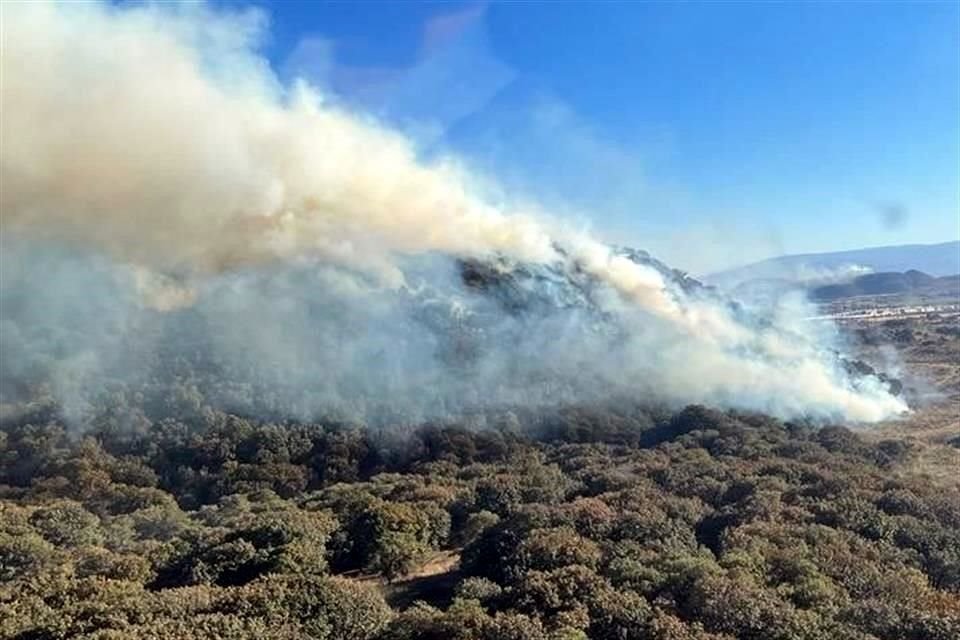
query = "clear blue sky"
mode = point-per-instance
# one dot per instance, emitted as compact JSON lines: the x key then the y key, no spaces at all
{"x":711,"y":133}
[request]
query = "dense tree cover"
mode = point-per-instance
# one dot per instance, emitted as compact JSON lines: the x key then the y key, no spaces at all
{"x":616,"y":524}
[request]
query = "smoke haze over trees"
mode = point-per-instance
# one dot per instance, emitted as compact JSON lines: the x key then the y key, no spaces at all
{"x":307,"y":257}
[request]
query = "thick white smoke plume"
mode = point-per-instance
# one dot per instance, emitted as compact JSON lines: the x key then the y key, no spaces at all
{"x":157,"y":138}
{"x":164,"y":141}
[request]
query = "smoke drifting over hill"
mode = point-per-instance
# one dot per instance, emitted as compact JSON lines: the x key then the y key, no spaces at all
{"x":164,"y":196}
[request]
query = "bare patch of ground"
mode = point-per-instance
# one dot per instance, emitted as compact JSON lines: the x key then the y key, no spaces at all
{"x":433,"y":582}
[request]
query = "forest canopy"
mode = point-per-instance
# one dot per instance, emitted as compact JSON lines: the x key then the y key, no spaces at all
{"x":615,"y":523}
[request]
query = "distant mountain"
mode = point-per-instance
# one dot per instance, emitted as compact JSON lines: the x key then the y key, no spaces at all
{"x":874,"y":284}
{"x":843,"y":266}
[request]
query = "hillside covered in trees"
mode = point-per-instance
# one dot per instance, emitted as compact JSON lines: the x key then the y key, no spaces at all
{"x":620,"y":523}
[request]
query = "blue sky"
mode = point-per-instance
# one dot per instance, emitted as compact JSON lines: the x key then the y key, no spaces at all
{"x":712,"y":133}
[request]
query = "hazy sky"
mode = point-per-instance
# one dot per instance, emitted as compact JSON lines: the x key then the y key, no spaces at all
{"x":711,"y":134}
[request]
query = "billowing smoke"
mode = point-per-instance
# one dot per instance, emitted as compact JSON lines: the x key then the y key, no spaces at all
{"x":165,"y":198}
{"x":161,"y":140}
